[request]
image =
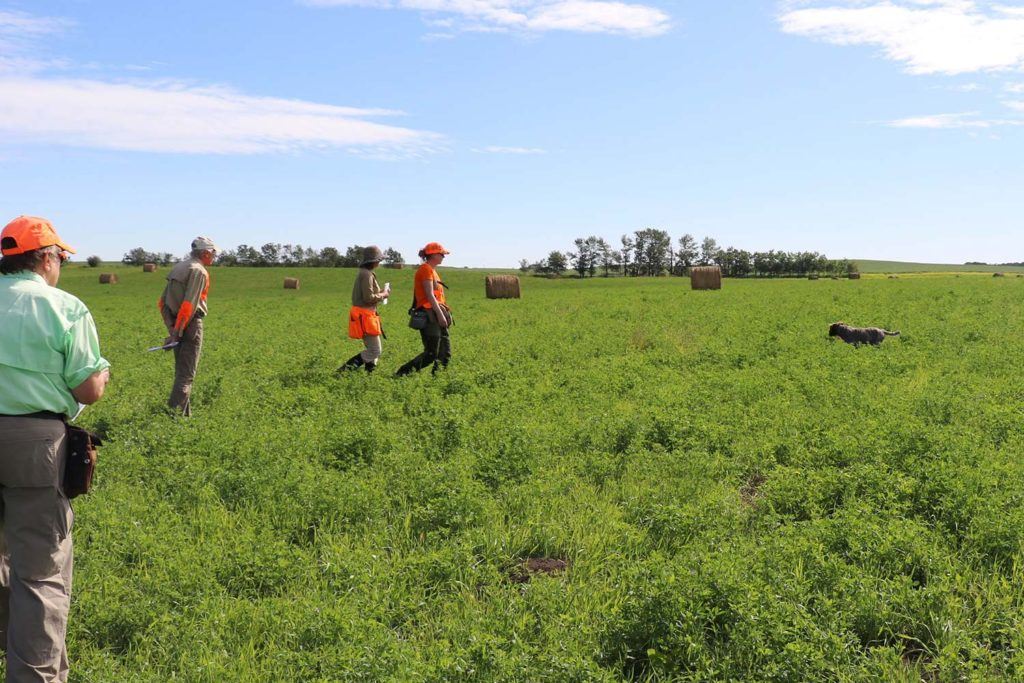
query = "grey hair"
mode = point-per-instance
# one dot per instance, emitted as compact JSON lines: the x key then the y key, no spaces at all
{"x":28,"y":260}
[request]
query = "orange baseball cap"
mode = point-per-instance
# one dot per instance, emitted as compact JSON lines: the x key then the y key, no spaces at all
{"x":435,"y":248}
{"x":26,"y":233}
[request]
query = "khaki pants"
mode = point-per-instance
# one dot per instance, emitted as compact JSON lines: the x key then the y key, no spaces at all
{"x":371,"y":354}
{"x":35,"y":549}
{"x":186,"y":361}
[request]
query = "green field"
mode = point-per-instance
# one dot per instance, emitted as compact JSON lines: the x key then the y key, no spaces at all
{"x":735,"y":496}
{"x":870,"y":266}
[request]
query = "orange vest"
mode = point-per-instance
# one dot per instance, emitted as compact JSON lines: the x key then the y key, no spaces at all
{"x":363,"y":322}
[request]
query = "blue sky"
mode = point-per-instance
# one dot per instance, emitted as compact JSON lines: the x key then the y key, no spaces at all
{"x":885,"y":129}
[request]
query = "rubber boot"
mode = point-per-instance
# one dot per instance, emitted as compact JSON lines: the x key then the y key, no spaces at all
{"x":353,"y":363}
{"x":370,"y":367}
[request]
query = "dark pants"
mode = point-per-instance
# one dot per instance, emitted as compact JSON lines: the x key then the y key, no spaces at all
{"x":437,"y":349}
{"x":186,"y":361}
{"x":35,"y":549}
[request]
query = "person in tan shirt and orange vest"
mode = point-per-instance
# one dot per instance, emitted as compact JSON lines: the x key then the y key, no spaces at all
{"x":183,"y":307}
{"x":363,"y":319}
{"x":428,"y":295}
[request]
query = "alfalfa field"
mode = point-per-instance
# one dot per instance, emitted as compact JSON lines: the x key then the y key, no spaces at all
{"x":616,"y":479}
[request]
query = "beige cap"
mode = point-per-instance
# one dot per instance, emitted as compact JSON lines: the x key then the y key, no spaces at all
{"x":204,"y":244}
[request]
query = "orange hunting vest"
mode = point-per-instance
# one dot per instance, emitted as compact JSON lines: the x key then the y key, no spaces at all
{"x":363,"y":322}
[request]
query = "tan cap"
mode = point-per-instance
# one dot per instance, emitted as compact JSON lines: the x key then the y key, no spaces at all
{"x":204,"y":244}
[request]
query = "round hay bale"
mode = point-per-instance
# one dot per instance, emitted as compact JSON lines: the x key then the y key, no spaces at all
{"x":853,"y":276}
{"x":108,"y":278}
{"x":502,"y":287}
{"x":998,"y":274}
{"x":148,"y":267}
{"x":291,"y":283}
{"x":894,"y":277}
{"x":813,"y":276}
{"x":706,"y":277}
{"x":396,"y":266}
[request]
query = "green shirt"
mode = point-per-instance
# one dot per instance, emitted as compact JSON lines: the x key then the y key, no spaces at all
{"x":48,"y":346}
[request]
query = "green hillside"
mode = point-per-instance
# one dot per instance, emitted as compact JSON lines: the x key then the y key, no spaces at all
{"x":870,"y":266}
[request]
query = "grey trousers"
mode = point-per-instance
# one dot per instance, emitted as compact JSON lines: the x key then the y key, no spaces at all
{"x":35,"y":549}
{"x":186,"y":361}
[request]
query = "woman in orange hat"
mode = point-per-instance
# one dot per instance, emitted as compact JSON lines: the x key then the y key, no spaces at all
{"x":429,"y":306}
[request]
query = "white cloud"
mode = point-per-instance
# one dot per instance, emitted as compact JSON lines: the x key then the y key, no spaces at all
{"x":584,"y":16}
{"x":21,"y":40}
{"x":161,"y":116}
{"x":965,"y":120}
{"x":1014,"y":88}
{"x":495,"y":149}
{"x":927,"y":36}
{"x":967,"y":87}
{"x":187,"y":119}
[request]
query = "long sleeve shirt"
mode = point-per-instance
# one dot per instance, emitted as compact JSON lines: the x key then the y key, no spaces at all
{"x":366,"y":292}
{"x":184,"y":297}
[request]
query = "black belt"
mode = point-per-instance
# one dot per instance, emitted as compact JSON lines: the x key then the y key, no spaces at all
{"x":43,"y":415}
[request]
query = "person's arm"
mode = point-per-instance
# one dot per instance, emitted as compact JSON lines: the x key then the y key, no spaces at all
{"x":440,"y":314}
{"x":370,"y":290}
{"x":86,"y":372}
{"x":194,"y":288}
{"x":91,"y":390}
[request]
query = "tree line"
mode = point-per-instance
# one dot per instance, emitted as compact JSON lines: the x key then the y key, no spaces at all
{"x":273,"y":254}
{"x":650,"y":252}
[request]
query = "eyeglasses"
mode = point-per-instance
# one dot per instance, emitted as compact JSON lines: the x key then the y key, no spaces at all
{"x":60,"y":254}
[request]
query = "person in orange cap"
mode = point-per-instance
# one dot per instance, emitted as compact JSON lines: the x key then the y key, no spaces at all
{"x":50,"y":362}
{"x":428,"y":298}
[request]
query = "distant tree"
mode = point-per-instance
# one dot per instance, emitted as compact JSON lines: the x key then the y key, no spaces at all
{"x":227,"y":258}
{"x":651,"y":251}
{"x":605,"y":255}
{"x":687,"y":254}
{"x":556,"y":263}
{"x":270,"y":254}
{"x":392,"y":257}
{"x":627,"y":254}
{"x":329,"y":257}
{"x":135,"y":257}
{"x":578,"y":258}
{"x":708,"y":251}
{"x":94,"y":261}
{"x":353,"y":257}
{"x":524,"y":266}
{"x":585,"y":259}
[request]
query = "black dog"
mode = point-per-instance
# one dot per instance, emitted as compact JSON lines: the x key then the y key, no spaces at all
{"x":859,"y":335}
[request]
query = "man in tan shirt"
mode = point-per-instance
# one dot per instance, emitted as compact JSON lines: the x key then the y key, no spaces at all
{"x":183,"y":307}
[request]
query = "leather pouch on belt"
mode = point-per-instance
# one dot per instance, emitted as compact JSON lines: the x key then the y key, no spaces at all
{"x":81,"y":462}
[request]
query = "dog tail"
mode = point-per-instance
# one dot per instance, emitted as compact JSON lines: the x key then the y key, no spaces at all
{"x":891,"y":334}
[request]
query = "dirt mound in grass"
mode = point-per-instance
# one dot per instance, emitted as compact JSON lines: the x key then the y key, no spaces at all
{"x":532,"y":566}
